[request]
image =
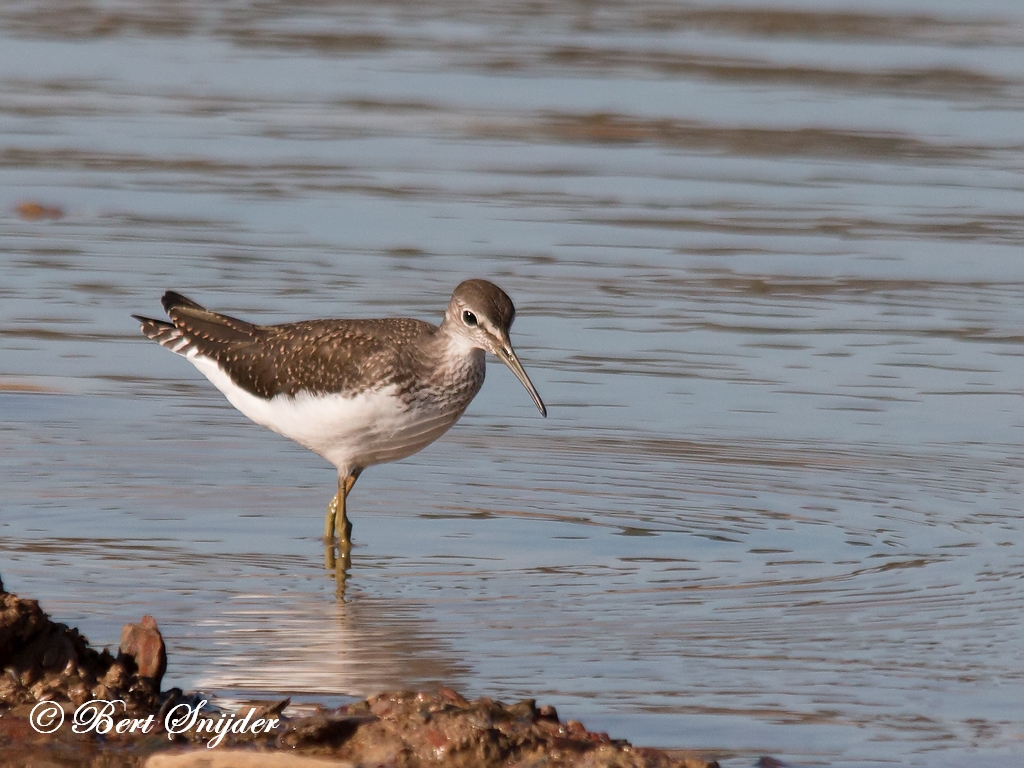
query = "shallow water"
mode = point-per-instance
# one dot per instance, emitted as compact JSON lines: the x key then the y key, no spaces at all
{"x":768,"y":269}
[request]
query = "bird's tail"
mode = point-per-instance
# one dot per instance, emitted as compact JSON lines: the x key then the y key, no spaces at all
{"x":194,"y":329}
{"x":164,"y":334}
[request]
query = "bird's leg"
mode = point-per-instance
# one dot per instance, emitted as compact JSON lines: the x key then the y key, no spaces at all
{"x":330,"y":560}
{"x":332,"y":511}
{"x":337,"y":522}
{"x":342,"y":525}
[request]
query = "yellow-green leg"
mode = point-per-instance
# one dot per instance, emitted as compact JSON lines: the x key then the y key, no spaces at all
{"x":332,"y":512}
{"x":337,"y":522}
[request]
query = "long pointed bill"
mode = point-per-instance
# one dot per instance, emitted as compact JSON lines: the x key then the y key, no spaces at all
{"x":507,"y":355}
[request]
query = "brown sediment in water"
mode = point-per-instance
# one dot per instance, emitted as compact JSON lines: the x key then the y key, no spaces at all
{"x":23,"y":387}
{"x":32,"y":210}
{"x":48,"y":666}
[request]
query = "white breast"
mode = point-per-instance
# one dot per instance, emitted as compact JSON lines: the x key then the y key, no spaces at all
{"x":351,"y":432}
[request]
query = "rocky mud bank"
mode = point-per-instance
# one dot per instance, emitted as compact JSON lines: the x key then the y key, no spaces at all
{"x":105,"y":710}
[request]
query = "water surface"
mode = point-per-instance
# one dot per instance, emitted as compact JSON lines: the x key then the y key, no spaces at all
{"x":767,"y":265}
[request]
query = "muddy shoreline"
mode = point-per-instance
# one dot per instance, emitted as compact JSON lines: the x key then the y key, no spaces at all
{"x":105,"y":709}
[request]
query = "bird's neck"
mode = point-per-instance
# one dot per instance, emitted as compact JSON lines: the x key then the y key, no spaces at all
{"x":456,"y":360}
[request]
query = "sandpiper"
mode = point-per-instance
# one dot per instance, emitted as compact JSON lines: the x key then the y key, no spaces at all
{"x":357,"y":392}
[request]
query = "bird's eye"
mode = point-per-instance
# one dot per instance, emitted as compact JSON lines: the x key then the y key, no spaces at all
{"x":469,"y":318}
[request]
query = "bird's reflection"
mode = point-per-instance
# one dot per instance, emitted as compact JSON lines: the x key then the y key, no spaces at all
{"x":356,"y":646}
{"x":337,"y":562}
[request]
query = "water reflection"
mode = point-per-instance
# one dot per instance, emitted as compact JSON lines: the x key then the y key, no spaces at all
{"x":315,"y":651}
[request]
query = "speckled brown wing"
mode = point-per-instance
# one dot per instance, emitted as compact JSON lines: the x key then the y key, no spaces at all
{"x":315,"y":356}
{"x":327,"y":356}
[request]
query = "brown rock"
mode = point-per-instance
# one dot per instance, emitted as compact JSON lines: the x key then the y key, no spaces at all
{"x":42,"y":659}
{"x":116,"y":677}
{"x":21,"y":621}
{"x":236,"y":758}
{"x":452,"y":696}
{"x":57,"y":651}
{"x":144,"y":643}
{"x":414,"y":730}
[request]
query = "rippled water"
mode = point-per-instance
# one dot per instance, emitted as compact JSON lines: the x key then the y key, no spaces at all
{"x":770,"y":279}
